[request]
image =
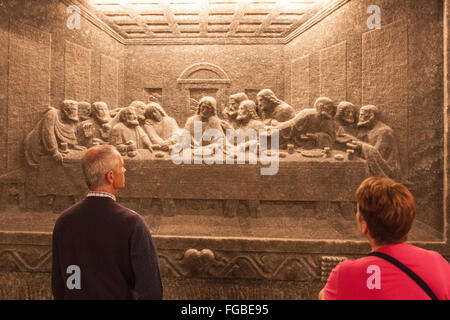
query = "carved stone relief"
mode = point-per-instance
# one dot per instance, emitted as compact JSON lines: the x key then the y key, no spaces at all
{"x":109,"y":81}
{"x":385,"y":79}
{"x":28,"y":85}
{"x":300,"y":82}
{"x":333,"y":71}
{"x":77,"y":64}
{"x":207,"y":77}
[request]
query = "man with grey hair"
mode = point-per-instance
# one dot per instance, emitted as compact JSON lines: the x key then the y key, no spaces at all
{"x":102,"y":250}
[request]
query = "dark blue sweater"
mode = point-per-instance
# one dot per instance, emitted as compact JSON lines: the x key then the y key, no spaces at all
{"x":113,"y":249}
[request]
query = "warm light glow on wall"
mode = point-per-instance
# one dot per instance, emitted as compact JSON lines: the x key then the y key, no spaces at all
{"x":197,"y":2}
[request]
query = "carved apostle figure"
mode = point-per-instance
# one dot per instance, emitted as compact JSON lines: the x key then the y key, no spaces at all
{"x":205,"y":119}
{"x":95,"y":130}
{"x":377,"y":144}
{"x":247,"y":116}
{"x":310,"y":128}
{"x":140,"y":110}
{"x":230,"y":113}
{"x":272,"y":109}
{"x":53,"y":134}
{"x":158,"y":125}
{"x":127,"y":135}
{"x":247,"y":120}
{"x":84,"y":110}
{"x":346,"y":123}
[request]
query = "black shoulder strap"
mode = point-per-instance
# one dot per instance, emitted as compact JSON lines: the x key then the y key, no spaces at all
{"x":408,"y":271}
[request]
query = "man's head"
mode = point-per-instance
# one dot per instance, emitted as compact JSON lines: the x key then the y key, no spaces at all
{"x":154,"y":111}
{"x":100,"y":112}
{"x":267,"y":100}
{"x":84,"y":110}
{"x":247,"y":111}
{"x":128,"y":117}
{"x":368,"y":116}
{"x":325,"y":107}
{"x":347,"y":113}
{"x":69,"y":110}
{"x":233,"y":103}
{"x":103,"y":169}
{"x":385,"y":210}
{"x":207,"y":107}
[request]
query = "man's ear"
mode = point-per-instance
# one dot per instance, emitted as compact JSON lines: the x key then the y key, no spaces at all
{"x":110,"y":177}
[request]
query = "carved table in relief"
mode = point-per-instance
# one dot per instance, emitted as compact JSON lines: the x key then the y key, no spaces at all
{"x":298,"y":179}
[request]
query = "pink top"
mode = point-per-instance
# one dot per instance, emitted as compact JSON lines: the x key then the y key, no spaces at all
{"x":373,"y":278}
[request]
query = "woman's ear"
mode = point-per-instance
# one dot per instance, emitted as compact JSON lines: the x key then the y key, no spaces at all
{"x":363,"y":229}
{"x":362,"y":224}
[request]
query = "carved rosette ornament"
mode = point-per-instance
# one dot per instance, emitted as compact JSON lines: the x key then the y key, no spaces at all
{"x":206,"y":263}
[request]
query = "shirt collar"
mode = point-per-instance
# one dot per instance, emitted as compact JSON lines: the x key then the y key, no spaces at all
{"x":101,"y":194}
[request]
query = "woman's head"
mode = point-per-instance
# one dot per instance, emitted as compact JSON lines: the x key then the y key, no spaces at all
{"x":388,"y":209}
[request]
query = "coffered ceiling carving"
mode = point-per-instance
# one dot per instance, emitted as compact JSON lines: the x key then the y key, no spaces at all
{"x":208,"y":21}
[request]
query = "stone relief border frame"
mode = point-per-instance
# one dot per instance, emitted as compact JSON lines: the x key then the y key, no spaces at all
{"x":217,"y":258}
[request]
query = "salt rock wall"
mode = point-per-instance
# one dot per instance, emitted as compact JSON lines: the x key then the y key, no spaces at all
{"x":399,"y":68}
{"x":43,"y":62}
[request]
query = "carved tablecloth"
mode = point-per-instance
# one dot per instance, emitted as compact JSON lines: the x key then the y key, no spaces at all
{"x":298,"y":179}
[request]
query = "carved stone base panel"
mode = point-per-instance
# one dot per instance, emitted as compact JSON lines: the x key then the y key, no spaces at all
{"x":37,"y":286}
{"x":23,"y":258}
{"x":25,"y":286}
{"x":206,"y":263}
{"x":217,"y":289}
{"x":198,"y":268}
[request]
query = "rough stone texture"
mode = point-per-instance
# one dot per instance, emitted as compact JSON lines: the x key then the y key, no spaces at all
{"x":37,"y":286}
{"x":196,"y":268}
{"x":301,"y":220}
{"x":77,"y":71}
{"x":25,"y":286}
{"x":28,"y":85}
{"x":43,"y":82}
{"x":4,"y":49}
{"x":385,"y":79}
{"x":288,"y":250}
{"x":425,"y":109}
{"x":300,"y":83}
{"x":248,"y":67}
{"x":401,"y":74}
{"x":109,"y":81}
{"x":333,"y":72}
